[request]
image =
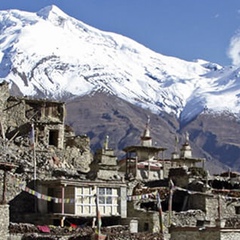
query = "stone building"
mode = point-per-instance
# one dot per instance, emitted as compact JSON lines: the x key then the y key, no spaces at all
{"x":76,"y":198}
{"x":145,"y":171}
{"x":19,"y":114}
{"x":184,"y":158}
{"x":105,"y":165}
{"x":54,"y":165}
{"x":143,"y":162}
{"x":190,"y":197}
{"x":77,"y":201}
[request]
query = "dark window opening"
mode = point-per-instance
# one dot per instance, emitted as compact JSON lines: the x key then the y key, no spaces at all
{"x":237,"y":209}
{"x":50,"y":204}
{"x":53,"y":138}
{"x":146,"y":226}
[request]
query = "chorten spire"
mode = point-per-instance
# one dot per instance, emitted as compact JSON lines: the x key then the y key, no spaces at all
{"x":186,"y":151}
{"x":106,"y":143}
{"x":146,"y":138}
{"x":175,"y":154}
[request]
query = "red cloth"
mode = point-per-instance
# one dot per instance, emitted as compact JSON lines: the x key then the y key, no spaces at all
{"x":73,"y":225}
{"x":44,"y":229}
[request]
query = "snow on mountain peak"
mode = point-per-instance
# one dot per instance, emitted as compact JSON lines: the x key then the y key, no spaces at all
{"x":51,"y":12}
{"x":53,"y":55}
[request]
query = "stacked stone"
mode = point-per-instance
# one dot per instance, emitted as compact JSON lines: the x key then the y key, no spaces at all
{"x":4,"y":221}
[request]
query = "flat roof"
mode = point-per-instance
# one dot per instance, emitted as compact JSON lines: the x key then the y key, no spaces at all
{"x":80,"y":183}
{"x":146,"y":148}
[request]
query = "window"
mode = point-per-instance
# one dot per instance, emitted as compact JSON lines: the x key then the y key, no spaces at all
{"x":108,"y":201}
{"x":53,"y":138}
{"x":237,"y":209}
{"x":146,"y":226}
{"x":105,"y":195}
{"x":85,"y":202}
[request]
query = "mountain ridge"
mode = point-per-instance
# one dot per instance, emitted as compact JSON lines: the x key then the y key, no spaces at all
{"x":49,"y":54}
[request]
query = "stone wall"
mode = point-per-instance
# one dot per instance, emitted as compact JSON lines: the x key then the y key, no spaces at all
{"x":47,"y":116}
{"x":4,"y":221}
{"x":4,"y":95}
{"x":211,"y":208}
{"x":230,"y":234}
{"x":194,"y":234}
{"x":77,"y":152}
{"x":147,"y":220}
{"x":208,"y":233}
{"x":186,"y":218}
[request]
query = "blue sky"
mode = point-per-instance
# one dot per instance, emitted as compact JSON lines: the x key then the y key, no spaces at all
{"x":187,"y":29}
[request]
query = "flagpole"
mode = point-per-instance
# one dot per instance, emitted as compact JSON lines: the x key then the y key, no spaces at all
{"x":98,"y":216}
{"x":34,"y":153}
{"x":35,"y":167}
{"x":160,"y":211}
{"x":32,"y":139}
{"x":171,"y":191}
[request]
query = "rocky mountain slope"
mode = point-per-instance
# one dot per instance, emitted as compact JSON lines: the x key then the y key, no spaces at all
{"x":99,"y":115}
{"x":111,"y":83}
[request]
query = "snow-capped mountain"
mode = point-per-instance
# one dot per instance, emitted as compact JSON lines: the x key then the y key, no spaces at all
{"x":51,"y":54}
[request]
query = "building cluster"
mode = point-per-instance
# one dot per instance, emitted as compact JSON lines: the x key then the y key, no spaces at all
{"x":50,"y":177}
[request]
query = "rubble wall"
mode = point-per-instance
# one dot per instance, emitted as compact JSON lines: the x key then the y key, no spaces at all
{"x":211,"y":208}
{"x":147,"y":220}
{"x":4,"y":221}
{"x":15,"y":120}
{"x":77,"y":152}
{"x":227,"y":208}
{"x":4,"y":94}
{"x":186,"y":218}
{"x":204,"y":233}
{"x":230,"y":235}
{"x":194,"y":234}
{"x":15,"y":237}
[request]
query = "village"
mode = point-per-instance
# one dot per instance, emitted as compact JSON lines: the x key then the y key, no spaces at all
{"x":50,"y":180}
